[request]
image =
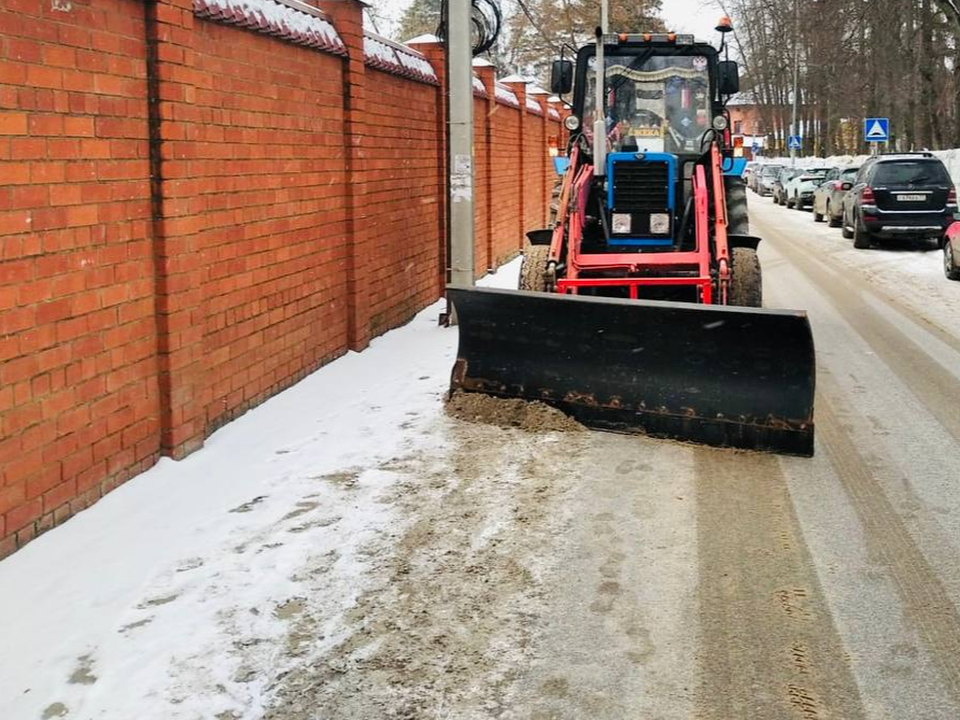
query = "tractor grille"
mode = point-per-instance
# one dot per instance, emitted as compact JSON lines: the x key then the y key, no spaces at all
{"x":640,"y":186}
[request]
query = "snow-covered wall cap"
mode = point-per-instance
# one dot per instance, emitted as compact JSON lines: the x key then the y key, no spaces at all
{"x":482,"y":62}
{"x":533,"y":106}
{"x":554,"y":99}
{"x":478,"y":89}
{"x":536,"y":90}
{"x":514,"y":79}
{"x":554,"y":114}
{"x":289,"y":20}
{"x":392,"y":57}
{"x":422,"y":40}
{"x":505,"y":95}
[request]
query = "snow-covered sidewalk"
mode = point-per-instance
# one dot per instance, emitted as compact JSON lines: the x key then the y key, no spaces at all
{"x":181,"y":594}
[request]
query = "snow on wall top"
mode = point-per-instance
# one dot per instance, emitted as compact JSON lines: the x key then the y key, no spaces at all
{"x":289,"y":20}
{"x":398,"y":59}
{"x":533,"y":106}
{"x":478,"y":89}
{"x":506,"y":95}
{"x":554,"y":114}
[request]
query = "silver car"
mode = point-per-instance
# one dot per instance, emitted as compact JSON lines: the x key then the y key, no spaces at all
{"x":828,"y":198}
{"x":766,"y":179}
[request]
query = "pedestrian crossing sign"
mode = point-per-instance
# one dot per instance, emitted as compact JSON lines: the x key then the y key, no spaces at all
{"x":876,"y":130}
{"x":795,"y":142}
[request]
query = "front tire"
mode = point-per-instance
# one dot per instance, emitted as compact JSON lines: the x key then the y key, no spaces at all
{"x":950,"y":268}
{"x":534,"y":267}
{"x":746,"y":285}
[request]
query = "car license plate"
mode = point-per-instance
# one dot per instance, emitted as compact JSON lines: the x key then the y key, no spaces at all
{"x":911,"y":198}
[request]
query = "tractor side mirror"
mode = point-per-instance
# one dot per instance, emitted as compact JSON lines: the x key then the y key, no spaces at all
{"x":561,"y":77}
{"x":847,"y":186}
{"x":729,"y":79}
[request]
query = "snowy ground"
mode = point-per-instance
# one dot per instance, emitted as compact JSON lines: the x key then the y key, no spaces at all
{"x":190,"y":590}
{"x":347,"y":551}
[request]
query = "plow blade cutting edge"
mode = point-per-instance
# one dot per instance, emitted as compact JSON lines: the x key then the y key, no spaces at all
{"x":725,"y":376}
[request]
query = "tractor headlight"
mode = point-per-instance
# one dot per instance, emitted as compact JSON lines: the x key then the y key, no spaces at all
{"x":622,"y":224}
{"x":660,"y":223}
{"x":720,"y":123}
{"x":572,"y":123}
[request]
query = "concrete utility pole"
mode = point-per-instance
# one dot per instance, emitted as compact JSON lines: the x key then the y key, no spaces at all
{"x":796,"y":75}
{"x":460,"y":160}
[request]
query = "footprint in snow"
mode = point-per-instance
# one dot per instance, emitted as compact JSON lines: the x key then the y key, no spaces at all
{"x":83,"y":673}
{"x":249,"y":505}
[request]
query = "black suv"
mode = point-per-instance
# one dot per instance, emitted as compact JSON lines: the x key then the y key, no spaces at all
{"x":906,"y":195}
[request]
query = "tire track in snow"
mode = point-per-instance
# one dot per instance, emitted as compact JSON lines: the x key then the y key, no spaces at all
{"x":769,"y":647}
{"x":926,"y":601}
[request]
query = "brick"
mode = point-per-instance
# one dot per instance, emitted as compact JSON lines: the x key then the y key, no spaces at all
{"x":13,"y":123}
{"x":22,"y":514}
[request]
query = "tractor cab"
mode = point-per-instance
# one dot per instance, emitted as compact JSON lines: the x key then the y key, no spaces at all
{"x":661,"y":112}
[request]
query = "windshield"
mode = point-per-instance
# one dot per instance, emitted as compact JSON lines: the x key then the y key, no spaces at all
{"x":769,"y":170}
{"x":653,"y":104}
{"x":924,"y":172}
{"x":849,"y":174}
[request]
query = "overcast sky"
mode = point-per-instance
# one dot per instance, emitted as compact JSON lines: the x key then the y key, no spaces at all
{"x":690,"y":16}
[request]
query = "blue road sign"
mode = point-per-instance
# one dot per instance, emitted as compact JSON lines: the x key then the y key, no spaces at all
{"x":755,"y":148}
{"x":876,"y":129}
{"x":795,"y":142}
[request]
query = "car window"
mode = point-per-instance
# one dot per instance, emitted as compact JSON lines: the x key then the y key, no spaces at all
{"x":832,"y":175}
{"x":912,"y":172}
{"x":849,"y":175}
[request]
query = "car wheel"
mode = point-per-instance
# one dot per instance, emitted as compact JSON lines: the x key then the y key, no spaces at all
{"x":861,"y":238}
{"x":845,"y":229}
{"x":832,"y":221}
{"x":950,"y":268}
{"x":817,"y":217}
{"x":797,"y":203}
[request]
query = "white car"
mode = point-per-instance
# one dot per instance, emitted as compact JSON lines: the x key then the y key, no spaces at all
{"x":799,"y":190}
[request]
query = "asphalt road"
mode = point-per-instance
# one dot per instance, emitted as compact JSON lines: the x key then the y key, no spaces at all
{"x":589,"y":575}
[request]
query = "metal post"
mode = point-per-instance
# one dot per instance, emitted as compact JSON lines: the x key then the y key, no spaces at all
{"x":796,"y":75}
{"x":600,"y":121}
{"x":460,"y":161}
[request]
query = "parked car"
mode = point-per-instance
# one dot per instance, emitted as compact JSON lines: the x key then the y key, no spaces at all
{"x":906,"y":195}
{"x":951,"y":252}
{"x":748,"y":172}
{"x":799,"y":191}
{"x":767,"y":177}
{"x":828,"y":198}
{"x":780,"y":183}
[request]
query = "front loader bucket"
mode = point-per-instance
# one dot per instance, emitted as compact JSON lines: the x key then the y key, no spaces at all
{"x":726,"y":376}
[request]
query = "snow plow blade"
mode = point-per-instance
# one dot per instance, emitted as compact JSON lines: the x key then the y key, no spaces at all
{"x":724,"y":376}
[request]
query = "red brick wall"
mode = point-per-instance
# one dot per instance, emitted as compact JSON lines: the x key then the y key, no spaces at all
{"x":505,"y":186}
{"x":137,"y":315}
{"x":78,"y":371}
{"x":268,"y":166}
{"x":483,"y":231}
{"x":403,"y":189}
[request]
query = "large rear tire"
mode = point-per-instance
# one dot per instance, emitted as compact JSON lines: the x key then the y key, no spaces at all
{"x":738,"y":217}
{"x":746,"y":285}
{"x":533,"y":267}
{"x":555,"y":203}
